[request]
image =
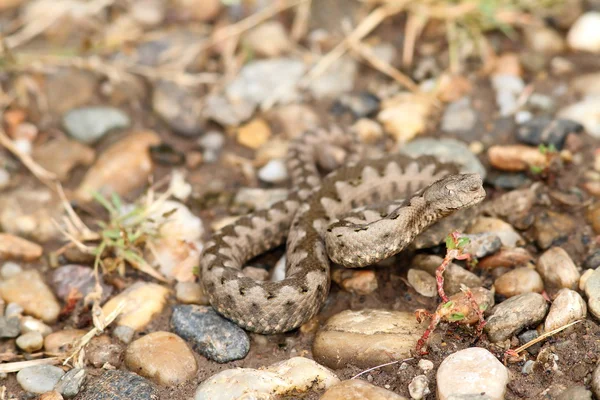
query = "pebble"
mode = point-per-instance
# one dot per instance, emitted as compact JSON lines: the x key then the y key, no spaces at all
{"x":547,"y":131}
{"x":143,"y":301}
{"x":515,"y":157}
{"x":587,"y":84}
{"x":53,"y":395}
{"x":14,"y":247}
{"x":584,"y":277}
{"x":586,"y":113}
{"x":578,"y":392}
{"x":30,"y":341}
{"x":71,"y":277}
{"x":254,"y":134}
{"x":9,"y":327}
{"x":356,"y":389}
{"x":360,"y":282}
{"x":13,"y":310}
{"x":584,"y":34}
{"x":557,"y":270}
{"x":29,"y":290}
{"x":528,"y":367}
{"x":507,"y":234}
{"x":459,"y":116}
{"x":179,"y":107}
{"x":336,"y":80}
{"x":519,"y":281}
{"x":514,"y":314}
{"x":471,"y":372}
{"x":367,"y":130}
{"x":360,"y":105}
{"x":419,"y":387}
{"x":40,"y":378}
{"x":596,"y":381}
{"x":261,"y":80}
{"x":119,"y":385}
{"x":551,"y":227}
{"x":366,"y":338}
{"x":190,"y":293}
{"x":69,"y":88}
{"x":508,"y":64}
{"x":592,"y":261}
{"x":456,"y":277}
{"x":210,"y":334}
{"x":30,"y":324}
{"x":274,"y":171}
{"x":62,"y":341}
{"x":217,"y":108}
{"x":404,"y":116}
{"x":528,"y":336}
{"x":482,"y":244}
{"x":102,"y":351}
{"x":508,"y":88}
{"x":446,"y":150}
{"x":275,"y":149}
{"x":61,"y":155}
{"x":422,"y":282}
{"x":293,"y":376}
{"x":162,"y":357}
{"x":70,"y":384}
{"x":295,"y":119}
{"x":10,"y":269}
{"x":542,"y":39}
{"x":592,"y":291}
{"x":425,"y":365}
{"x":124,"y":334}
{"x":568,"y":306}
{"x":89,"y":124}
{"x":121,"y":168}
{"x":268,"y":39}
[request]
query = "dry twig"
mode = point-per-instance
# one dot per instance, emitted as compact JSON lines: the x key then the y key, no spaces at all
{"x":19,"y":365}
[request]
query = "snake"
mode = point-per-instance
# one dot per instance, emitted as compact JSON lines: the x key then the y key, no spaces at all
{"x":363,"y":211}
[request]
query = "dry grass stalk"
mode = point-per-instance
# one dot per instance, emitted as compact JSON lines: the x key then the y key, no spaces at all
{"x":300,"y":25}
{"x":545,"y":336}
{"x":380,"y":366}
{"x":19,"y":365}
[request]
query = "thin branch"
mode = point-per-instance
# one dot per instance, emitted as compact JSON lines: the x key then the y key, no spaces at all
{"x":379,"y":366}
{"x":545,"y":335}
{"x":19,"y":365}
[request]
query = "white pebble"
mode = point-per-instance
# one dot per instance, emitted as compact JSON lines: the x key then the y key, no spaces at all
{"x":212,"y":140}
{"x":10,"y":269}
{"x":30,"y":341}
{"x":523,"y":116}
{"x":13,"y":310}
{"x":23,"y":145}
{"x":273,"y":172}
{"x":30,"y":324}
{"x":419,"y":387}
{"x":584,"y":34}
{"x":425,"y":365}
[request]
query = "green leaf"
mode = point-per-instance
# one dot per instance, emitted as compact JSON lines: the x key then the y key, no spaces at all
{"x":483,"y":307}
{"x":450,"y":242}
{"x":448,"y":304}
{"x":196,"y":270}
{"x":105,"y":203}
{"x":551,"y":148}
{"x":463,"y":241}
{"x":456,"y":317}
{"x":116,"y":200}
{"x":542,"y":148}
{"x":112,"y":233}
{"x":535,"y":169}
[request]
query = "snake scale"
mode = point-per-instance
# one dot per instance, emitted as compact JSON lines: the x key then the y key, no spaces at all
{"x":322,"y":220}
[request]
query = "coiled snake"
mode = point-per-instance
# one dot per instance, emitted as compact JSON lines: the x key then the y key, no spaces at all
{"x":310,"y":219}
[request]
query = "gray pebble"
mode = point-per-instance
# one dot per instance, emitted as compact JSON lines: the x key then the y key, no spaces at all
{"x":13,"y":310}
{"x":592,"y":261}
{"x":514,"y":314}
{"x":40,"y":378}
{"x":482,"y":244}
{"x":528,"y":367}
{"x":119,"y":385}
{"x":527,"y":337}
{"x":179,"y":107}
{"x":71,"y":382}
{"x":361,"y":105}
{"x":545,"y":130}
{"x":89,"y":124}
{"x":592,"y":291}
{"x":9,"y":327}
{"x":459,"y":116}
{"x":124,"y":333}
{"x":210,"y":334}
{"x":10,"y":269}
{"x":503,"y":180}
{"x":446,"y":150}
{"x":68,"y":277}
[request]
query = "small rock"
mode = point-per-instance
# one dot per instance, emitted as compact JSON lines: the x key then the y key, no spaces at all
{"x":514,"y":314}
{"x":592,"y":261}
{"x":557,"y":270}
{"x":13,"y":310}
{"x":544,"y":40}
{"x":53,"y":395}
{"x":122,"y":167}
{"x":14,"y":247}
{"x":163,"y":357}
{"x":295,"y":119}
{"x":89,"y":124}
{"x":584,"y":35}
{"x":578,"y":392}
{"x":508,"y":88}
{"x":296,"y":375}
{"x":508,"y":64}
{"x":366,"y":338}
{"x":568,"y":306}
{"x":119,"y":385}
{"x":586,"y":113}
{"x":592,"y":291}
{"x":361,"y":105}
{"x":61,"y":155}
{"x":142,"y":302}
{"x":584,"y":277}
{"x":222,"y":111}
{"x":528,"y":367}
{"x":419,"y":387}
{"x":544,"y":130}
{"x":274,"y":171}
{"x":71,"y":382}
{"x":456,"y":277}
{"x":268,"y":39}
{"x":482,"y":244}
{"x":356,"y":389}
{"x":254,"y":134}
{"x":69,"y":88}
{"x":102,"y":351}
{"x":593,"y":217}
{"x":62,"y":341}
{"x":179,"y":107}
{"x":528,"y":336}
{"x":71,"y":277}
{"x":508,"y":236}
{"x":190,"y":293}
{"x":40,"y":378}
{"x":9,"y":327}
{"x":10,"y":269}
{"x":471,"y":372}
{"x":422,"y":282}
{"x":29,"y":290}
{"x":210,"y":334}
{"x":519,"y":281}
{"x":459,"y":116}
{"x":355,"y":281}
{"x":30,"y":341}
{"x":30,"y":324}
{"x":446,"y":150}
{"x":124,"y":334}
{"x":515,"y":157}
{"x":367,"y":130}
{"x":337,"y":80}
{"x":404,"y":116}
{"x":551,"y":227}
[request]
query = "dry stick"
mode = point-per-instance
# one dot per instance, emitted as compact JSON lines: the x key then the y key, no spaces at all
{"x":365,"y":27}
{"x":379,"y":366}
{"x":544,"y":336}
{"x":19,"y":365}
{"x":300,"y":25}
{"x":383,"y":66}
{"x":414,"y":27}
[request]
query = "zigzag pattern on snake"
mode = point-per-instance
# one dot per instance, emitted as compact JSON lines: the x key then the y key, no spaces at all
{"x":312,"y":220}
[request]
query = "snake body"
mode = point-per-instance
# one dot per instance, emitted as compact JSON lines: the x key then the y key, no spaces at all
{"x":322,"y":220}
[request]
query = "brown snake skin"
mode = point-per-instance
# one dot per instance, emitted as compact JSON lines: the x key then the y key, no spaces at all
{"x":312,"y":219}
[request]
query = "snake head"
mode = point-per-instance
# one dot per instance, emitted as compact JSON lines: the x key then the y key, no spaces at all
{"x":455,"y":192}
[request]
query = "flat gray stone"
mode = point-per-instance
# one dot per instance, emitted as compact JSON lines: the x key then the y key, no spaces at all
{"x":89,"y":124}
{"x":40,"y":378}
